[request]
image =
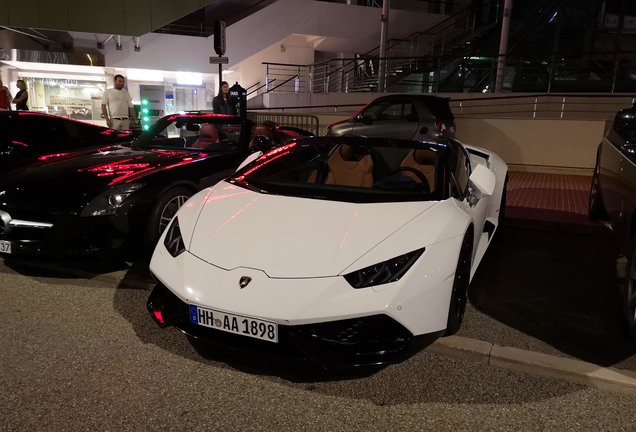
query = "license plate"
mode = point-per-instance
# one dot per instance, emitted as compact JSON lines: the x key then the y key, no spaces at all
{"x":5,"y":246}
{"x":237,"y":324}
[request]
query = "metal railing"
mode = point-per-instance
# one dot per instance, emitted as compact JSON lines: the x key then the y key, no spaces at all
{"x":555,"y":106}
{"x":439,"y":60}
{"x":361,"y":73}
{"x":302,"y":121}
{"x":558,"y":106}
{"x":588,"y":72}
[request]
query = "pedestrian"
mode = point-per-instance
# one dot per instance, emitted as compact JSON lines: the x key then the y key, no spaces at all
{"x":5,"y":97}
{"x":222,"y":103}
{"x":21,"y":97}
{"x":117,"y":106}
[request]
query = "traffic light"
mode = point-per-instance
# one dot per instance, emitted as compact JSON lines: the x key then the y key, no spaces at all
{"x":145,"y":117}
{"x":219,"y":37}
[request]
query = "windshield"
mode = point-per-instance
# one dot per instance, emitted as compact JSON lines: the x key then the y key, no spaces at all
{"x":349,"y":169}
{"x":202,"y":133}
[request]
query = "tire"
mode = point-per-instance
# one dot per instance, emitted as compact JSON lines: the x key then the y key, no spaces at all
{"x":596,"y":207}
{"x":629,"y":292}
{"x":163,"y":211}
{"x":459,"y":294}
{"x":502,"y":205}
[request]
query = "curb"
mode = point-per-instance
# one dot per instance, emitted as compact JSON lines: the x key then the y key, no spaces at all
{"x":576,"y":371}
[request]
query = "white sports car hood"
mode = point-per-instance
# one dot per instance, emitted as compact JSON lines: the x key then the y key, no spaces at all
{"x":291,"y":237}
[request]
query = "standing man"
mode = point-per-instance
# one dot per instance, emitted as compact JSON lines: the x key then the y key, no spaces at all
{"x":117,"y":106}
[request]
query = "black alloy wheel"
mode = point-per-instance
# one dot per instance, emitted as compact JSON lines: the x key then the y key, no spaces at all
{"x":163,"y":212}
{"x":459,"y":295}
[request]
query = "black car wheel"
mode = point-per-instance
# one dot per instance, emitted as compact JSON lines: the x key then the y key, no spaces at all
{"x":596,"y":207}
{"x":629,"y":294}
{"x":502,"y":204}
{"x":163,"y":212}
{"x":459,"y":295}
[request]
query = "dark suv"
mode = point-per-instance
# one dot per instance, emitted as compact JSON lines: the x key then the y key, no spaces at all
{"x":406,"y":116}
{"x":613,"y":198}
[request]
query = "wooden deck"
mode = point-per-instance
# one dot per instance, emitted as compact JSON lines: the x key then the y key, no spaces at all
{"x":548,"y":197}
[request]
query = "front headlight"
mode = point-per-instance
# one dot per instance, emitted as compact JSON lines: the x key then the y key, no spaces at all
{"x":174,"y":240}
{"x":108,"y":202}
{"x":384,"y":272}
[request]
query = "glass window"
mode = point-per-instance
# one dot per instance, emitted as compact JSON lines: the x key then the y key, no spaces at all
{"x":41,"y":130}
{"x":77,"y":99}
{"x":391,"y":110}
{"x":194,"y":132}
{"x":352,"y":171}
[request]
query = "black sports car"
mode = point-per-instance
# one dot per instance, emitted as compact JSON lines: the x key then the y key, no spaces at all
{"x":613,"y":198}
{"x":25,"y":136}
{"x":106,"y":200}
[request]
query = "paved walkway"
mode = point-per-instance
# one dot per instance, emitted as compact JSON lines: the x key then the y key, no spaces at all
{"x":545,"y":197}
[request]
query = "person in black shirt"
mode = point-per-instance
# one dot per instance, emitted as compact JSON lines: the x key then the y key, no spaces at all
{"x":222,"y":103}
{"x":21,"y":97}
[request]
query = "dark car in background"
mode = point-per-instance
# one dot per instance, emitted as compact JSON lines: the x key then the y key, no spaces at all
{"x":107,"y":200}
{"x":403,"y":116}
{"x":613,"y":198}
{"x":26,"y":136}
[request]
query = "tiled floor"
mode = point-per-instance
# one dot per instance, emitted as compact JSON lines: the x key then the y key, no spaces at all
{"x":550,"y":197}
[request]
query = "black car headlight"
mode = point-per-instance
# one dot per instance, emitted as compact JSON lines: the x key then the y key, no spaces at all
{"x":108,"y":202}
{"x":174,"y":240}
{"x":384,"y":272}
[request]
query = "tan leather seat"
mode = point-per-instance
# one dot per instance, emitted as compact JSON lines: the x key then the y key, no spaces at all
{"x":348,"y":169}
{"x":424,"y":161}
{"x":207,"y":135}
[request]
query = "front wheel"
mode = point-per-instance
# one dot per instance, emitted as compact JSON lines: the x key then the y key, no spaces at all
{"x":459,"y":294}
{"x":629,"y":292}
{"x":163,"y":212}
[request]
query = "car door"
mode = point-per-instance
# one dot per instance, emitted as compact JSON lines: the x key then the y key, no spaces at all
{"x":391,"y":117}
{"x":618,"y":180}
{"x":617,"y":176}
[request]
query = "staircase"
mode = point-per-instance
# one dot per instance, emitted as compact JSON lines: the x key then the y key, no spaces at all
{"x":414,"y":64}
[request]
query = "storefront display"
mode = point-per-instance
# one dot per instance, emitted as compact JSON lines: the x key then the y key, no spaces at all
{"x":66,"y":97}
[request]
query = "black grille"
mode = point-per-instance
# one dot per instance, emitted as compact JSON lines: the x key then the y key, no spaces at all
{"x":366,"y":340}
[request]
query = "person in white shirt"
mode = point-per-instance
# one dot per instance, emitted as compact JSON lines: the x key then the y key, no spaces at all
{"x":117,"y":106}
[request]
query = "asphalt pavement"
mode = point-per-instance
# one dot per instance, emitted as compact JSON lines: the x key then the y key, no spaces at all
{"x":545,"y":300}
{"x":81,"y":354}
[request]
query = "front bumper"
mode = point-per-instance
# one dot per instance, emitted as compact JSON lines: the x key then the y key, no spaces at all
{"x":61,"y":235}
{"x":368,"y":340}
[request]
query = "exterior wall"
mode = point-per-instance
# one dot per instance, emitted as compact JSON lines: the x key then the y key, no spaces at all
{"x":332,"y":27}
{"x":294,"y":49}
{"x":559,"y":146}
{"x":548,"y":144}
{"x":537,"y":145}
